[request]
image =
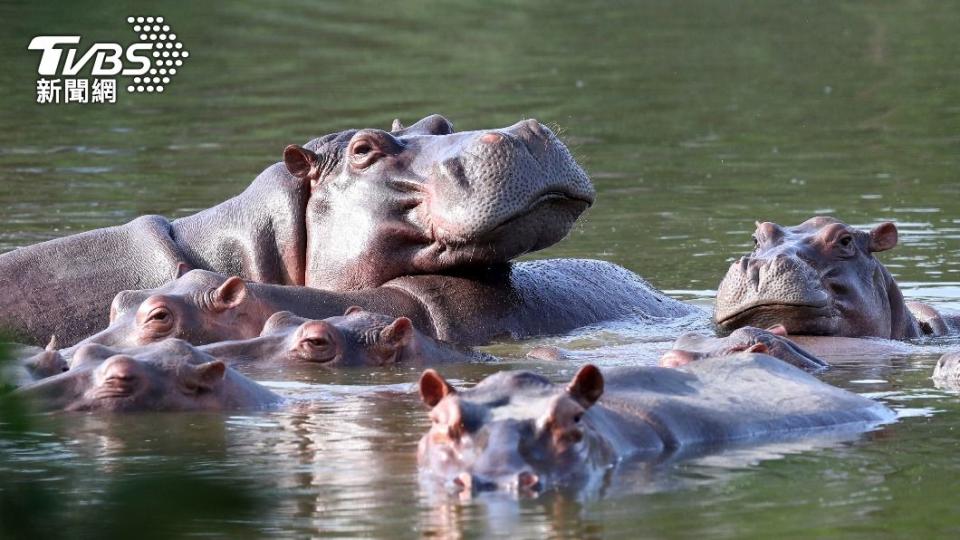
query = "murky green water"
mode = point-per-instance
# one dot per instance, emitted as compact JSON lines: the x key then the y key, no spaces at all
{"x":694,"y":119}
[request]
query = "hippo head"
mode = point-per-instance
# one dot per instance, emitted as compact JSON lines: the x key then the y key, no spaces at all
{"x":357,"y":338}
{"x":425,"y":199}
{"x":166,"y":376}
{"x":199,"y":307}
{"x":514,"y":431}
{"x":692,"y":347}
{"x":818,"y":278}
{"x":947,"y":372}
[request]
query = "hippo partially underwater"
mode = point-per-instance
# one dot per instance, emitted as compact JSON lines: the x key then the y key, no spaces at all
{"x":426,"y":218}
{"x":516,"y":430}
{"x":820,"y":278}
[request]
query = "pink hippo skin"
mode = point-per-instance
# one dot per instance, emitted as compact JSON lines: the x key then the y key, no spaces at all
{"x":171,"y":375}
{"x":357,"y":338}
{"x":346,"y":211}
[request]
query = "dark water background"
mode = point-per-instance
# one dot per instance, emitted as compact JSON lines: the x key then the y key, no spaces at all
{"x":694,"y":119}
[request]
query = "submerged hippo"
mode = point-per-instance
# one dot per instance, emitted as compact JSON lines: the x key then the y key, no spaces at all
{"x":356,"y":338}
{"x":517,"y":430}
{"x":947,"y":372}
{"x":821,"y":278}
{"x":692,"y":347}
{"x":170,"y":375}
{"x":349,"y":210}
{"x":528,"y":299}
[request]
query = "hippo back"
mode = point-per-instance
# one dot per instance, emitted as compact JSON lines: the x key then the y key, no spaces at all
{"x":735,"y":398}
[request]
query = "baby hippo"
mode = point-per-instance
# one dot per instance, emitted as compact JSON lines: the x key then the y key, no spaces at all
{"x":170,"y":375}
{"x":947,"y":373}
{"x":691,"y":347}
{"x":356,"y":338}
{"x":199,"y":307}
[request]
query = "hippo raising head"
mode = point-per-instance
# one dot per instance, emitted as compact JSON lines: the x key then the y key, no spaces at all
{"x":818,"y":278}
{"x":425,"y":199}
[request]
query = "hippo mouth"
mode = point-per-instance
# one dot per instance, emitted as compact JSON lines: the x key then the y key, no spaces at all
{"x":810,"y":319}
{"x":445,"y":248}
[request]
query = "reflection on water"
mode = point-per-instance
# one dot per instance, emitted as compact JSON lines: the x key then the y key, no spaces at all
{"x":694,"y":121}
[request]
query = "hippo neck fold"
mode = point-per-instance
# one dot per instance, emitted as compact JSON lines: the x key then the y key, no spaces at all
{"x":258,"y":235}
{"x":903,"y":325}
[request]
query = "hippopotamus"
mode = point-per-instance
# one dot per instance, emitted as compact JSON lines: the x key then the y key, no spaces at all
{"x":169,"y":375}
{"x":516,"y":430}
{"x":524,"y":300}
{"x":821,"y":278}
{"x":356,"y":338}
{"x":345,"y":211}
{"x":692,"y":347}
{"x":32,"y":364}
{"x":947,"y":372}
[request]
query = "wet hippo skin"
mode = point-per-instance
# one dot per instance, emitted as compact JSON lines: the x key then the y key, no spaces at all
{"x":358,"y":338}
{"x":170,"y":375}
{"x":348,"y":211}
{"x":821,"y":278}
{"x":514,"y":301}
{"x":518,"y":431}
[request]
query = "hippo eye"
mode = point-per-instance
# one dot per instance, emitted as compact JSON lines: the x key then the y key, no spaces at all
{"x":846,"y":240}
{"x":159,"y":318}
{"x":577,"y":418}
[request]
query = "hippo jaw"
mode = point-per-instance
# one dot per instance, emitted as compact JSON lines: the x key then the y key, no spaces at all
{"x":425,"y":199}
{"x":818,"y":278}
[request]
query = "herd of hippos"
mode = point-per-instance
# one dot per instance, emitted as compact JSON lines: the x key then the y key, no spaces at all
{"x":394,"y":248}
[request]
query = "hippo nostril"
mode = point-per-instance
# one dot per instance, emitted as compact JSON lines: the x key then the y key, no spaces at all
{"x":491,"y":138}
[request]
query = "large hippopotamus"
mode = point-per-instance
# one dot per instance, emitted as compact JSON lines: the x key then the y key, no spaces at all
{"x":516,"y":430}
{"x":356,"y":210}
{"x":821,"y":278}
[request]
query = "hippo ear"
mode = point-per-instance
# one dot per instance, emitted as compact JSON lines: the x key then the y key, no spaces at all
{"x":353,"y":309}
{"x":883,"y":237}
{"x":586,"y":386}
{"x":433,"y":388}
{"x":208,"y":374}
{"x":230,"y":294}
{"x":182,"y":268}
{"x":398,"y":333}
{"x":301,"y":162}
{"x":397,"y":126}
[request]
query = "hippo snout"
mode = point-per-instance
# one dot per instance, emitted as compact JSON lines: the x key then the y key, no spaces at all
{"x":765,"y":290}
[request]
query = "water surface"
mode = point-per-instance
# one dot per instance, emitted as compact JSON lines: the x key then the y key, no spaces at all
{"x":693,"y":119}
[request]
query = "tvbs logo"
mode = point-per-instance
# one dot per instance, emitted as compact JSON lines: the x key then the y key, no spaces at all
{"x":151,"y":62}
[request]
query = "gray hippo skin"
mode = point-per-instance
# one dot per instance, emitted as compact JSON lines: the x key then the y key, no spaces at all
{"x":947,"y":372}
{"x":171,"y":375}
{"x":516,"y":301}
{"x":356,"y":338}
{"x":821,"y":278}
{"x":346,"y":211}
{"x":692,"y":347}
{"x":518,"y":431}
